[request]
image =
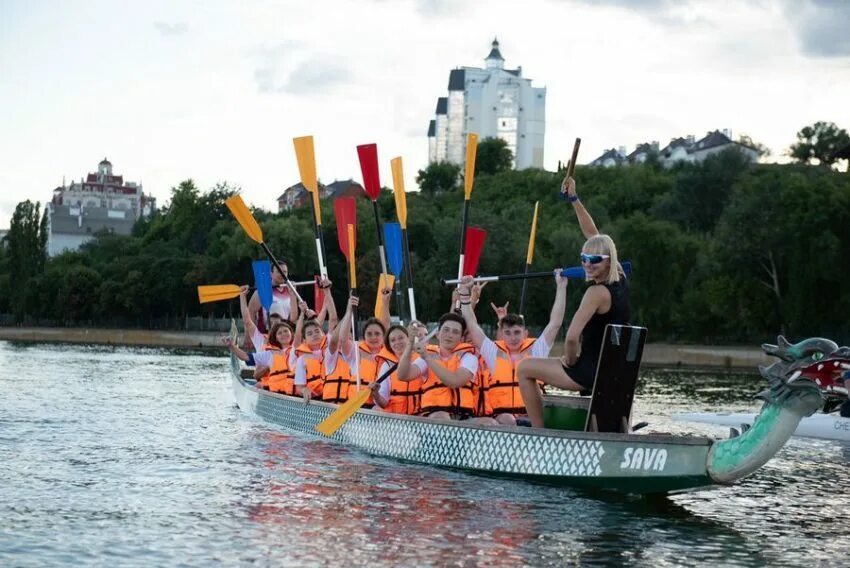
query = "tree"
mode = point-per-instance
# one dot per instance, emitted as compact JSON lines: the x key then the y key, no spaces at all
{"x":493,"y":156}
{"x":760,"y":149}
{"x":27,"y":253}
{"x":438,"y":177}
{"x":821,"y":142}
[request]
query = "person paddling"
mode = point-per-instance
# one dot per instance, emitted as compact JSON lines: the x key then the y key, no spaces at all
{"x":503,"y":398}
{"x":312,"y":354}
{"x":284,"y":303}
{"x":393,"y":394}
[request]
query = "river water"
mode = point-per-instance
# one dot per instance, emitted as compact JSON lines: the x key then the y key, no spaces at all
{"x":114,"y":456}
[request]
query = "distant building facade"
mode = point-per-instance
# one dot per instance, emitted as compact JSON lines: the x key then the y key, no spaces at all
{"x":99,"y":202}
{"x":492,"y":102}
{"x":686,"y":149}
{"x":296,"y":196}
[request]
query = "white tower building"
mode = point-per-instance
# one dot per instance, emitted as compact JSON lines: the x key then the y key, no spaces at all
{"x":493,"y":102}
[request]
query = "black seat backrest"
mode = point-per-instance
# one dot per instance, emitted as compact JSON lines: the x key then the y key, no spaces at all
{"x":616,"y":378}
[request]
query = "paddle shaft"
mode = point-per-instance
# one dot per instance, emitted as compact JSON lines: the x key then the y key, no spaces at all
{"x":571,"y":167}
{"x":320,"y":240}
{"x":380,"y":236}
{"x":524,"y":287}
{"x":464,"y":220}
{"x":286,"y":279}
{"x":573,"y":272}
{"x":409,"y":267}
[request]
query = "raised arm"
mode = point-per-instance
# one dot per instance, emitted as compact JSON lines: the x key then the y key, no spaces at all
{"x":467,"y":309}
{"x":585,"y":221}
{"x":386,"y":298}
{"x":254,"y":307}
{"x":556,"y":317}
{"x":406,"y":371}
{"x":341,"y":335}
{"x":247,"y":321}
{"x":303,"y":313}
{"x":328,"y":306}
{"x":227,"y":341}
{"x":293,"y":307}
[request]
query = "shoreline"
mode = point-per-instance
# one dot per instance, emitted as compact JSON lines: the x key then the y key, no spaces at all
{"x":656,"y":355}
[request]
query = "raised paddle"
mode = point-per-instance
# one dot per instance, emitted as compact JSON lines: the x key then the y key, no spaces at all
{"x":571,"y":166}
{"x":528,"y":258}
{"x":468,"y":180}
{"x":340,"y":416}
{"x":368,"y":154}
{"x":218,"y":292}
{"x":263,"y":282}
{"x":306,"y":157}
{"x":395,"y":257}
{"x":352,"y":279}
{"x":255,"y":233}
{"x":571,"y":272}
{"x":401,"y":213}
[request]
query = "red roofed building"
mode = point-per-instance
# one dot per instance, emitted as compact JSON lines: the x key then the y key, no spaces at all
{"x":101,"y":201}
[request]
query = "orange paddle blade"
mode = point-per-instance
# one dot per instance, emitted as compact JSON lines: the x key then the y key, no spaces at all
{"x":245,"y":218}
{"x":530,"y":256}
{"x":398,"y":191}
{"x":469,"y":174}
{"x":306,"y":157}
{"x":384,"y":281}
{"x":352,"y":270}
{"x":217,"y":292}
{"x":340,"y":416}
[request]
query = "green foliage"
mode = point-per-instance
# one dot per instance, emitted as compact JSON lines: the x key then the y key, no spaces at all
{"x":820,"y":141}
{"x":438,"y":177}
{"x":722,"y":251}
{"x":493,"y":156}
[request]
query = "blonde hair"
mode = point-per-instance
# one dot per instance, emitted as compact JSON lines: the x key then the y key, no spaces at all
{"x":604,"y":244}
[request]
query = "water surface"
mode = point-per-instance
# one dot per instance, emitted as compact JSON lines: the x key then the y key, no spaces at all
{"x":138,"y":457}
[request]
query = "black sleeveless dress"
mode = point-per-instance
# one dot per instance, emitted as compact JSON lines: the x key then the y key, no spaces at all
{"x":584,"y":370}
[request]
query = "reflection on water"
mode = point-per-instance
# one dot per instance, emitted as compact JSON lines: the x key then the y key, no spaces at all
{"x":138,"y":457}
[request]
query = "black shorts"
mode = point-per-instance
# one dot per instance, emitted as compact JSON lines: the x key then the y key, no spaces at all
{"x":583,"y":372}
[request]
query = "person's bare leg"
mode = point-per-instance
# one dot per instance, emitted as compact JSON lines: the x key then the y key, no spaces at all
{"x":484,"y":420}
{"x":548,"y":370}
{"x":440,"y":415}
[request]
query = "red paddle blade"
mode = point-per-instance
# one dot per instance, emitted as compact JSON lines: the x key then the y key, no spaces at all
{"x":318,"y":295}
{"x":368,"y":154}
{"x":475,"y":238}
{"x":345,"y":212}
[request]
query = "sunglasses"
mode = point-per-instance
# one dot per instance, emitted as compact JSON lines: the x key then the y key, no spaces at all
{"x":593,"y":258}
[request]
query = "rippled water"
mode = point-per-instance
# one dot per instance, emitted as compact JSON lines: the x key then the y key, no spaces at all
{"x":117,"y":456}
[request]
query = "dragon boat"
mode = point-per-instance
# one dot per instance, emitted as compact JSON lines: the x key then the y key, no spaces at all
{"x":819,"y":360}
{"x":588,"y":442}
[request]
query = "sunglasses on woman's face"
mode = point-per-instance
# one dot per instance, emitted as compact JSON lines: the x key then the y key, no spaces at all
{"x":593,"y":258}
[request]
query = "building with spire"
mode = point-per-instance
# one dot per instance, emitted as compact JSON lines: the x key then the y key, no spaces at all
{"x":99,"y":202}
{"x":493,"y":102}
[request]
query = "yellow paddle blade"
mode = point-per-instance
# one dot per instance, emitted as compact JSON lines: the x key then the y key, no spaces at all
{"x":217,"y":292}
{"x":530,"y":256}
{"x":469,"y":174}
{"x":352,"y":268}
{"x":306,"y":162}
{"x":398,"y":191}
{"x":340,"y":416}
{"x":245,"y":218}
{"x":384,"y":281}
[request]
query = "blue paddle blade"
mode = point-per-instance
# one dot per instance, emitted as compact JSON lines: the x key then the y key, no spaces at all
{"x":263,"y":282}
{"x":578,"y":271}
{"x":392,"y":244}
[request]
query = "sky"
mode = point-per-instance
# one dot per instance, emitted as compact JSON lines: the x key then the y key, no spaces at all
{"x":216,"y":90}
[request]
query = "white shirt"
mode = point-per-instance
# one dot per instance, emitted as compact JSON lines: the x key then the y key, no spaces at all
{"x":386,"y":386}
{"x":489,"y":350}
{"x":301,"y":366}
{"x":264,"y":358}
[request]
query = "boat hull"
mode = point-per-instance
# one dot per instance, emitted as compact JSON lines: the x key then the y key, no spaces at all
{"x":618,"y":462}
{"x":823,"y":426}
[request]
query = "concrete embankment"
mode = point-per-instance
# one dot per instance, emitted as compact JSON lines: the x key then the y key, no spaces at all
{"x":659,"y":355}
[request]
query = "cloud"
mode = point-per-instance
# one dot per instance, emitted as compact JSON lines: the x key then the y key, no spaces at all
{"x":670,"y":13}
{"x":175,"y":29}
{"x":821,"y":26}
{"x":286,"y":68}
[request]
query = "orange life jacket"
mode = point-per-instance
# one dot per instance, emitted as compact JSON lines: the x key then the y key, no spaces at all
{"x":368,"y":371}
{"x":335,"y":387}
{"x":436,"y":396}
{"x":264,"y":380}
{"x":404,"y":395}
{"x":314,"y":366}
{"x":281,"y":378}
{"x":503,"y":387}
{"x":482,"y":387}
